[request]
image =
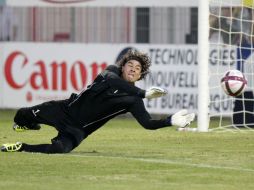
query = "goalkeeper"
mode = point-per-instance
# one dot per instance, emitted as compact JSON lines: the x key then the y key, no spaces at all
{"x":112,"y":93}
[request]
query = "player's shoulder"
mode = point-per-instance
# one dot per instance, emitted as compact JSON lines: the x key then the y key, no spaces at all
{"x":113,"y":68}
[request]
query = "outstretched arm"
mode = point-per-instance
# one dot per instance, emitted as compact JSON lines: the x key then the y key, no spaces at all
{"x":179,"y":119}
{"x":143,"y":117}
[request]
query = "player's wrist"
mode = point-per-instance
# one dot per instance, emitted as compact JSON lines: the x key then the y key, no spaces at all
{"x":169,"y":120}
{"x":142,"y":93}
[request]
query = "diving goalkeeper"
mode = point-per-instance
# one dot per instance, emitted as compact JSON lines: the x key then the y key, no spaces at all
{"x":112,"y":93}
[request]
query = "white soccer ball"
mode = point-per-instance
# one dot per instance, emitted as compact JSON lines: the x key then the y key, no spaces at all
{"x":233,"y":82}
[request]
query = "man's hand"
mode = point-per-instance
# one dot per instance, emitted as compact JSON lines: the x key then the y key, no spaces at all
{"x":155,"y":92}
{"x":182,"y":118}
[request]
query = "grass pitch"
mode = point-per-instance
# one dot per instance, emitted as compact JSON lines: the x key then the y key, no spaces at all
{"x":123,"y":156}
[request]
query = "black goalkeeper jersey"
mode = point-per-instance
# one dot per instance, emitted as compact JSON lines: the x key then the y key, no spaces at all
{"x":108,"y":96}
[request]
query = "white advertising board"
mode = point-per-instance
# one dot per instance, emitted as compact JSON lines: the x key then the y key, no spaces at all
{"x":37,"y":73}
{"x":34,"y":73}
{"x":173,"y":68}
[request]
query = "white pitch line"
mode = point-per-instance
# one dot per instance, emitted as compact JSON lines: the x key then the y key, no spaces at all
{"x":162,"y":161}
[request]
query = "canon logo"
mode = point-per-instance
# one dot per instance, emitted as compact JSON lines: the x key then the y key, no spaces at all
{"x":50,"y":76}
{"x":65,"y":1}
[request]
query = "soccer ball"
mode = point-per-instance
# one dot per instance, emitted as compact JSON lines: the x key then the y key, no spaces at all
{"x":233,"y":82}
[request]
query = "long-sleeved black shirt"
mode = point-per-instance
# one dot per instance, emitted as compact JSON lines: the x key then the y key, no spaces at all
{"x":108,"y":96}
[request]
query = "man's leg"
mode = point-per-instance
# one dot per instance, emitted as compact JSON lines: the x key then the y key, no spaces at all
{"x":23,"y":121}
{"x":63,"y":143}
{"x":30,"y":117}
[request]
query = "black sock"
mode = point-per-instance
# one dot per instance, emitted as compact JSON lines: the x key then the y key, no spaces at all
{"x":41,"y":148}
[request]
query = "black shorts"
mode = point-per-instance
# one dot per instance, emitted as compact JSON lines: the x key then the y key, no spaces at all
{"x":53,"y":113}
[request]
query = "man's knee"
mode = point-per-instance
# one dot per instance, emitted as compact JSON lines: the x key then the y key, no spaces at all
{"x":20,"y":117}
{"x":59,"y":147}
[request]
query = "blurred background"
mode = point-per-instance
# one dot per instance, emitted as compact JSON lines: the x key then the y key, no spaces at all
{"x":159,"y":25}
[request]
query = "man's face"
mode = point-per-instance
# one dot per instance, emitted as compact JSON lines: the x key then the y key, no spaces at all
{"x":131,"y":71}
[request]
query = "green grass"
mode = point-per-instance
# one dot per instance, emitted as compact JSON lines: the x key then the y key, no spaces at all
{"x":123,"y":156}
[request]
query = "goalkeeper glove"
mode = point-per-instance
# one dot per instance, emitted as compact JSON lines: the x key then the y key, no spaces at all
{"x":155,"y":92}
{"x":182,"y":118}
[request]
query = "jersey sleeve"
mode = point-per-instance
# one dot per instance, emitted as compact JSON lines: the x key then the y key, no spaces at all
{"x":112,"y":75}
{"x":140,"y":113}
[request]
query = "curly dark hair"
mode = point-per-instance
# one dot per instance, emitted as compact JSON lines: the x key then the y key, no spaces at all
{"x":143,"y":58}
